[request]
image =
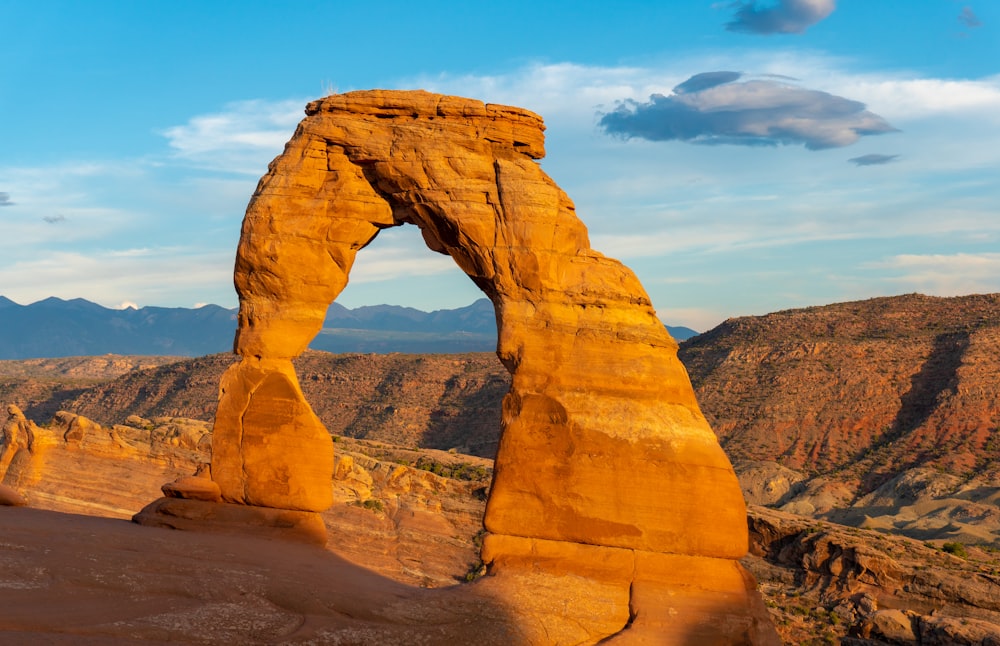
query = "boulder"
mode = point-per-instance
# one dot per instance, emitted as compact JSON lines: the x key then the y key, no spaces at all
{"x":227,"y":518}
{"x":193,"y":488}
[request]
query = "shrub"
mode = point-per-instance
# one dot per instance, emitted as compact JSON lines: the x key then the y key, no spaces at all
{"x":957,"y":549}
{"x":475,"y":571}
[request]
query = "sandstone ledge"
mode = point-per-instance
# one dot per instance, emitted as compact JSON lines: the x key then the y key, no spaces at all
{"x":205,"y":516}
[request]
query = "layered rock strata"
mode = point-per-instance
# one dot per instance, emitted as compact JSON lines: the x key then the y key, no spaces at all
{"x":607,"y":472}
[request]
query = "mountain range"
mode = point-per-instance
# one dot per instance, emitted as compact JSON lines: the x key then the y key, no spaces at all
{"x":62,"y":328}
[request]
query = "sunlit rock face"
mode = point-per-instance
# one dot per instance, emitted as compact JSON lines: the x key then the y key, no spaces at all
{"x":606,"y":469}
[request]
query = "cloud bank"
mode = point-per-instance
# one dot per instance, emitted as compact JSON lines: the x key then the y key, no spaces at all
{"x":873,"y":159}
{"x":786,"y":17}
{"x":714,"y":108}
{"x":5,"y":199}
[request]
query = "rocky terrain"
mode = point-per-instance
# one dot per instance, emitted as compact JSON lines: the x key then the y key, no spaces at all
{"x":44,"y":386}
{"x":882,"y":413}
{"x":816,"y":565}
{"x":871,"y":387}
{"x":863,"y":413}
{"x":413,"y":517}
{"x":427,"y":401}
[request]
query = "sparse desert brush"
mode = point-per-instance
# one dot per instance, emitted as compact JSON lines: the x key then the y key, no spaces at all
{"x":958,"y":549}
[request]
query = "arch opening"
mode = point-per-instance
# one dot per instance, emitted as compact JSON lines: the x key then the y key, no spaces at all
{"x":455,"y":402}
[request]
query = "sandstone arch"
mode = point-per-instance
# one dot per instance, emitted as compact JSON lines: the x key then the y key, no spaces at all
{"x":606,"y":467}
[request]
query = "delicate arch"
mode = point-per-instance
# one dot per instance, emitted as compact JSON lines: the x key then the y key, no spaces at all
{"x":603,"y":445}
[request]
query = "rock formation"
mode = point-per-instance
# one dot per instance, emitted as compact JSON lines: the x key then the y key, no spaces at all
{"x":78,"y":466}
{"x":821,"y":582}
{"x":18,"y":435}
{"x":607,"y":471}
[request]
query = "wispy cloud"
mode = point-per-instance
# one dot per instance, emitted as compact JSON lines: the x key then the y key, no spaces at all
{"x":713,"y":108}
{"x":873,"y":159}
{"x":916,"y":98}
{"x":242,"y":138}
{"x":969,"y":18}
{"x":945,"y":274}
{"x":786,"y":17}
{"x":54,"y":219}
{"x":147,"y":276}
{"x":5,"y":199}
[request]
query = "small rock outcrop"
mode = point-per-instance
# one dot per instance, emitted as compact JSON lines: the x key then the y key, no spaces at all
{"x":607,"y":472}
{"x":77,"y":466}
{"x":17,"y":435}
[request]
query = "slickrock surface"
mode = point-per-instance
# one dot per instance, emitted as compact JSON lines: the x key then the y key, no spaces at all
{"x":68,"y":579}
{"x":600,"y":411}
{"x":415,"y":518}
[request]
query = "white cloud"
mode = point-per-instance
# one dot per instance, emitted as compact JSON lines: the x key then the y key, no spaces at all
{"x":242,"y":138}
{"x":569,"y":93}
{"x":125,"y":233}
{"x":902,"y":98}
{"x":158,"y":276}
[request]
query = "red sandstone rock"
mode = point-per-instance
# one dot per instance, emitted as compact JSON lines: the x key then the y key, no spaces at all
{"x":9,"y":497}
{"x":16,"y":436}
{"x":269,"y":448}
{"x":603,"y":442}
{"x":201,"y":515}
{"x":193,"y":488}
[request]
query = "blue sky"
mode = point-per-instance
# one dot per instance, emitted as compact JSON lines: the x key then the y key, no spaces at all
{"x":740,"y":157}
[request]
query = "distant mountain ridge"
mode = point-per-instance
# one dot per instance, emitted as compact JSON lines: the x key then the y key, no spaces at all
{"x":54,"y":327}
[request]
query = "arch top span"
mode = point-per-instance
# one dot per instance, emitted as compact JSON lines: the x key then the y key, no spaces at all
{"x":603,"y":446}
{"x":521,"y":129}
